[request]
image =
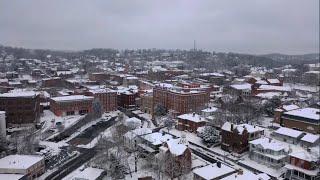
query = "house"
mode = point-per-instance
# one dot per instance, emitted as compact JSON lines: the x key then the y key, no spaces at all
{"x":28,"y":165}
{"x":151,"y":142}
{"x":177,"y":157}
{"x":210,"y":111}
{"x":190,"y":122}
{"x":243,"y":89}
{"x":287,"y":135}
{"x":235,"y":138}
{"x":213,"y":171}
{"x":269,"y":152}
{"x":310,"y":140}
{"x":71,"y":105}
{"x":305,"y":119}
{"x":303,"y":165}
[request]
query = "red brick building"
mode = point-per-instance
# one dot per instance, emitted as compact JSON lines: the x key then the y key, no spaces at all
{"x":190,"y":122}
{"x":235,"y":138}
{"x":304,"y":119}
{"x":180,"y":100}
{"x":99,"y":77}
{"x":127,"y":99}
{"x":107,"y":97}
{"x":52,"y":82}
{"x":20,"y":107}
{"x":303,"y":165}
{"x":280,"y":110}
{"x":71,"y":105}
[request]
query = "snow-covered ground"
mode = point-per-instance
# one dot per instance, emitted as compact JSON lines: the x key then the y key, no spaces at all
{"x":50,"y":120}
{"x":147,"y":117}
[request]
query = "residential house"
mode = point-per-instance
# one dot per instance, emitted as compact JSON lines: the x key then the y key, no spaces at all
{"x":235,"y":138}
{"x":269,"y":152}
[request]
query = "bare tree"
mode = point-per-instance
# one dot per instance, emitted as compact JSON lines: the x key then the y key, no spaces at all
{"x":27,"y":141}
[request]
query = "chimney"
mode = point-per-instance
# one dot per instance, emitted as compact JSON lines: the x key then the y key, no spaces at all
{"x":240,"y":172}
{"x":231,"y":128}
{"x":218,"y":164}
{"x":270,"y":140}
{"x":193,"y":114}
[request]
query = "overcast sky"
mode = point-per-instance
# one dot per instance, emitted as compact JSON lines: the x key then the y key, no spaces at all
{"x":247,"y":26}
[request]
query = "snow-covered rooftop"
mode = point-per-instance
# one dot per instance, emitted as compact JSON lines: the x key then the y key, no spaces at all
{"x":273,"y":81}
{"x":271,"y":144}
{"x":19,"y":94}
{"x":311,"y":138}
{"x":276,"y":88}
{"x":290,"y":107}
{"x":11,"y":176}
{"x":288,"y":132}
{"x":19,"y":161}
{"x":192,"y":117}
{"x":176,"y":147}
{"x":269,"y":95}
{"x":72,"y":98}
{"x":89,"y":173}
{"x":250,"y":128}
{"x":313,"y":155}
{"x":310,"y":113}
{"x":157,"y":138}
{"x":244,"y":86}
{"x":210,"y":109}
{"x":247,"y":175}
{"x":212,"y":171}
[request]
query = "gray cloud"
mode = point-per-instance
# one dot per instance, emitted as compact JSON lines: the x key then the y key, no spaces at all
{"x":248,"y":26}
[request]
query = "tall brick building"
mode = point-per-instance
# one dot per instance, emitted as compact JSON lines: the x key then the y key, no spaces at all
{"x":20,"y":107}
{"x":107,"y":97}
{"x":180,"y":100}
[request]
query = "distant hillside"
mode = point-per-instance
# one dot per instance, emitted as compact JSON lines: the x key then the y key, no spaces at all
{"x":294,"y":59}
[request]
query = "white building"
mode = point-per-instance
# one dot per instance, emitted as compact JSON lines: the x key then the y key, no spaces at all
{"x":269,"y":152}
{"x":287,"y":135}
{"x":28,"y":165}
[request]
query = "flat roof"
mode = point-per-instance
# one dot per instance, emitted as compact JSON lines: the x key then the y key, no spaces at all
{"x":72,"y":98}
{"x":19,"y":161}
{"x":19,"y":94}
{"x":212,"y":171}
{"x":309,"y":113}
